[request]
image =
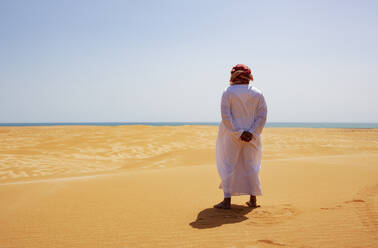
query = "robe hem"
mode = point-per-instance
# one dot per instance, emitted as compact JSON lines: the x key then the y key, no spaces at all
{"x":245,"y":193}
{"x":238,"y":194}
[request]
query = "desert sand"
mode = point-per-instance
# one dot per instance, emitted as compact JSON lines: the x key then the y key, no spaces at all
{"x":145,"y":186}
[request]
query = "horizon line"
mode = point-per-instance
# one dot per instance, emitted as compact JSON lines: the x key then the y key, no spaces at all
{"x":141,"y":122}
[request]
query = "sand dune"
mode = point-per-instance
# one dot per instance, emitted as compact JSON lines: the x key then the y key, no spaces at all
{"x":143,"y":186}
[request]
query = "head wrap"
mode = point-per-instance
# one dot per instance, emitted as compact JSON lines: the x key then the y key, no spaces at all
{"x":240,"y":74}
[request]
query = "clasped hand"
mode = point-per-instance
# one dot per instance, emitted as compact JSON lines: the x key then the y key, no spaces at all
{"x":246,"y":136}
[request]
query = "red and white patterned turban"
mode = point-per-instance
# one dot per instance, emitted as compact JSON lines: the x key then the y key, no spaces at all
{"x":240,"y":74}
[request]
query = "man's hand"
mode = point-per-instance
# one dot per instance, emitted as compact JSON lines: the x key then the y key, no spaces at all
{"x":246,"y":136}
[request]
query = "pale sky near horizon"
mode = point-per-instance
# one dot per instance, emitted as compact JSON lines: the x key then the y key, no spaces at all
{"x":138,"y":61}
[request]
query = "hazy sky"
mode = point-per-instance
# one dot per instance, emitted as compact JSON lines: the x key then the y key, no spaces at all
{"x":63,"y":61}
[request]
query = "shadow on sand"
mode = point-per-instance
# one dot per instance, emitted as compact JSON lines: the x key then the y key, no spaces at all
{"x":213,"y":217}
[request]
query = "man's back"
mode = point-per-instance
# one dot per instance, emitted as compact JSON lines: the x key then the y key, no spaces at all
{"x":244,"y":101}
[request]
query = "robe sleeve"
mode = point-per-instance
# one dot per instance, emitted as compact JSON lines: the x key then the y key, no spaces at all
{"x":227,"y":118}
{"x":260,"y":118}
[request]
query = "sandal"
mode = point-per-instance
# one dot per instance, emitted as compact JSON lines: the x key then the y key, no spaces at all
{"x":222,"y":205}
{"x":252,"y":205}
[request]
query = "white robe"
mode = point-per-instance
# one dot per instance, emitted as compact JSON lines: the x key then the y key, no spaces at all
{"x":243,"y":108}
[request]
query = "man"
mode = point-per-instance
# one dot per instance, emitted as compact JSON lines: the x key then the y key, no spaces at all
{"x":238,"y":148}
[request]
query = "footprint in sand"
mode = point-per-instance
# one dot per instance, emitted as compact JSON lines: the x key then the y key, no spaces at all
{"x":353,"y":201}
{"x":271,"y":214}
{"x":332,"y":208}
{"x":270,"y":242}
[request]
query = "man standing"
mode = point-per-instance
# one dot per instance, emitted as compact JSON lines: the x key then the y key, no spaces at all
{"x":238,"y":148}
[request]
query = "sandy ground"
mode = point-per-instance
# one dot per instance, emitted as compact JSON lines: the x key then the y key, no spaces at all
{"x":143,"y":186}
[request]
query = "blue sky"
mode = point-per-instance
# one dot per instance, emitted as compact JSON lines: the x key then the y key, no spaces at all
{"x":67,"y":61}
